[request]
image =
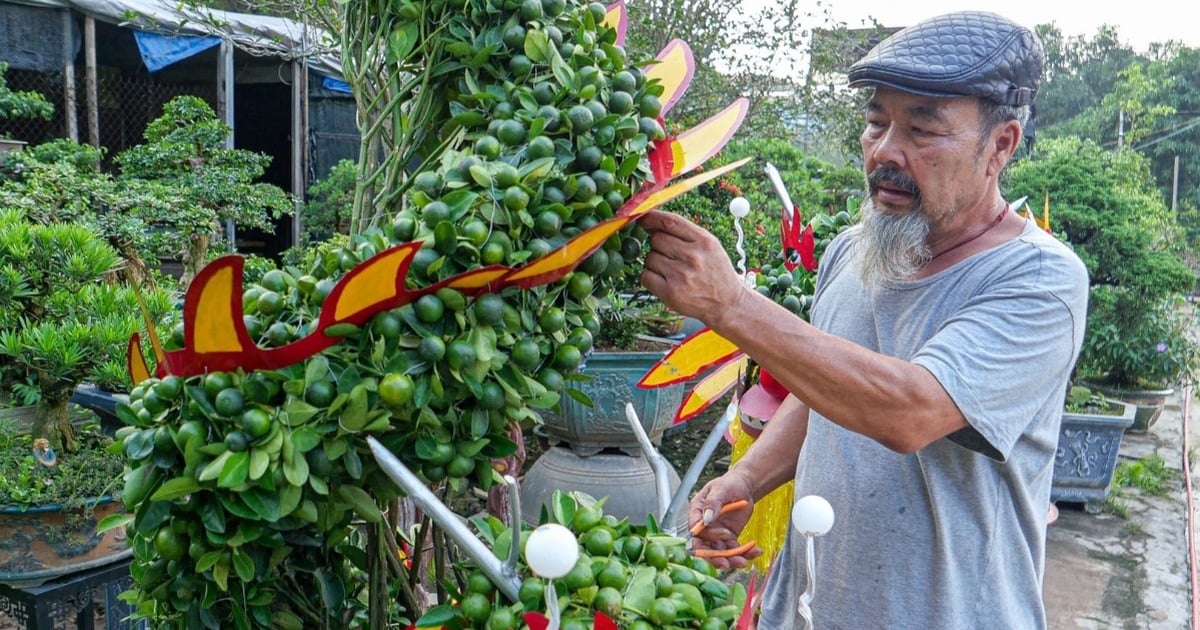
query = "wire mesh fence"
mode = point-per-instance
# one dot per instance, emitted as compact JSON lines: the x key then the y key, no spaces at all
{"x":126,"y":103}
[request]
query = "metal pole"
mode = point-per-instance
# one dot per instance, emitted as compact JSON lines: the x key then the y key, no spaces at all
{"x":298,"y":142}
{"x":498,"y":571}
{"x":1175,"y":188}
{"x":225,"y":85}
{"x":68,"y":53}
{"x":93,"y":101}
{"x":1121,"y":131}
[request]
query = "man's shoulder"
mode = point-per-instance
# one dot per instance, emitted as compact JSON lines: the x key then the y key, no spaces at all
{"x":1053,"y":253}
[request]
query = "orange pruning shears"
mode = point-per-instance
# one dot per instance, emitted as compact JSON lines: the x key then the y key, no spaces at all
{"x":740,"y":550}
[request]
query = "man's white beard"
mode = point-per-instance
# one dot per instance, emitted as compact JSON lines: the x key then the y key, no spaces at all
{"x":894,"y":246}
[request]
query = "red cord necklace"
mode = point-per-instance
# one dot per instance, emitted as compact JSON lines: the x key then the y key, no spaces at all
{"x":994,"y":223}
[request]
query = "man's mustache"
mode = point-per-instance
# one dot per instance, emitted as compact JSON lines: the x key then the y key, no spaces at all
{"x":892,"y":176}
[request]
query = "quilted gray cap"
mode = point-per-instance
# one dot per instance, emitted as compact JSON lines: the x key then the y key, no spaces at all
{"x":968,"y":53}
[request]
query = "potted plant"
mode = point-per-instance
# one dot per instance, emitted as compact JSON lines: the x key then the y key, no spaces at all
{"x":628,"y":342}
{"x":61,"y":320}
{"x":1088,"y":444}
{"x":19,"y":104}
{"x":1138,"y":354}
{"x":592,"y":447}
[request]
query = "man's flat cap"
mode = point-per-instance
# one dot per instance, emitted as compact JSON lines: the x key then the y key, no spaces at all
{"x":969,"y":53}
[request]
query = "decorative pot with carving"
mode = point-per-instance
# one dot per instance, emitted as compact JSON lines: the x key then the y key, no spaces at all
{"x":1087,"y":455}
{"x":613,"y":378}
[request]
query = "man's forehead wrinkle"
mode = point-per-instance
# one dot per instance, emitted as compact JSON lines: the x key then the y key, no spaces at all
{"x":926,"y":110}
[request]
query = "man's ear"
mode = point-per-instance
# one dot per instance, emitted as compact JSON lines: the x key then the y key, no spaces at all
{"x":1006,"y":139}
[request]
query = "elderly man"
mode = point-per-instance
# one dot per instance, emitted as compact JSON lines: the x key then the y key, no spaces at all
{"x":926,"y":396}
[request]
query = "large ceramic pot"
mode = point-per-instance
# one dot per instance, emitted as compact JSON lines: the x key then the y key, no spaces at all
{"x":613,"y":382}
{"x":1087,"y":455}
{"x":103,"y":402}
{"x":628,"y":482}
{"x":1149,"y":402}
{"x":39,"y":544}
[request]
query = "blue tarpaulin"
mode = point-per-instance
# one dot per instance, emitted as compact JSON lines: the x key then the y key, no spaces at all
{"x":160,"y":51}
{"x":336,"y":85}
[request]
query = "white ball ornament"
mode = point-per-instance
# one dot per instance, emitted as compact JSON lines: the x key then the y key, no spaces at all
{"x":739,"y":207}
{"x":551,"y":550}
{"x":812,"y":515}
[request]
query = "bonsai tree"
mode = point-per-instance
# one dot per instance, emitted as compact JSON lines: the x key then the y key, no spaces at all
{"x":1106,"y":206}
{"x":184,"y":161}
{"x":60,"y":322}
{"x":57,"y":182}
{"x":21,"y":103}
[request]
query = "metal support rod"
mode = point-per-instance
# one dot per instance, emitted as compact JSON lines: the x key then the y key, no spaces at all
{"x":514,"y":524}
{"x":93,"y":99}
{"x":810,"y":576}
{"x":225,"y":87}
{"x":70,"y":107}
{"x":697,"y":466}
{"x":506,"y":581}
{"x":662,"y":479}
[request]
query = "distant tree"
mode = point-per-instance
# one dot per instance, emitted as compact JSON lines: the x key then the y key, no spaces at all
{"x":1079,"y":72}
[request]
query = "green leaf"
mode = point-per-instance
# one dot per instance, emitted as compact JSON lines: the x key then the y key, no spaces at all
{"x":305,"y":439}
{"x":175,"y":488}
{"x":140,"y":445}
{"x":233,"y":504}
{"x":285,"y":620}
{"x":479,"y":423}
{"x":361,"y":502}
{"x":259,"y":462}
{"x":460,"y":202}
{"x":563,"y":506}
{"x":537,"y":46}
{"x":402,"y":41}
{"x":126,"y":415}
{"x":209,"y":560}
{"x":113,"y":521}
{"x":472,"y":448}
{"x":331,"y":590}
{"x":213,"y":469}
{"x":437,"y":616}
{"x":296,"y":470}
{"x":289,"y":499}
{"x":578,"y":396}
{"x":480,"y":174}
{"x":265,"y":504}
{"x":213,"y":517}
{"x":235,"y":471}
{"x":628,"y":165}
{"x":316,"y":369}
{"x":562,"y":72}
{"x":221,"y":575}
{"x":244,"y":566}
{"x":354,"y":416}
{"x":536,"y":170}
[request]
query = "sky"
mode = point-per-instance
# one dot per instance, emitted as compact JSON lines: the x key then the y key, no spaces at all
{"x":1138,"y":23}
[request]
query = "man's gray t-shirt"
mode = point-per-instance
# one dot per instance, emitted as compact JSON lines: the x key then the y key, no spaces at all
{"x":952,"y":536}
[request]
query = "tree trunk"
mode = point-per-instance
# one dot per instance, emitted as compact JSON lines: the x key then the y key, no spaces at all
{"x":53,"y":422}
{"x":498,"y":501}
{"x":195,"y":251}
{"x":134,"y":271}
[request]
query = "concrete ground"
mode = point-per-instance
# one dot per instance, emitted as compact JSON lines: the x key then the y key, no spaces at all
{"x":1130,"y":572}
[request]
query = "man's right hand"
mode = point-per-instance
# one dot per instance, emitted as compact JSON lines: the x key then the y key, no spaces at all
{"x":722,"y":530}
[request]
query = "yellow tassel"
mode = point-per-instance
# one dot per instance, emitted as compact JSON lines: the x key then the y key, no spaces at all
{"x":768,"y":525}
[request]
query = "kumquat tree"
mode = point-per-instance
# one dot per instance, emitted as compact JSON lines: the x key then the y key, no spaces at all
{"x":508,"y":150}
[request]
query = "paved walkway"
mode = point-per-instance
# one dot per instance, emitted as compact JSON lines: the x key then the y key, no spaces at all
{"x":1129,"y":572}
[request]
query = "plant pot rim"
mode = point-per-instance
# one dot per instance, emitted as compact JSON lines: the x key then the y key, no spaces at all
{"x":1102,"y":385}
{"x":54,"y":507}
